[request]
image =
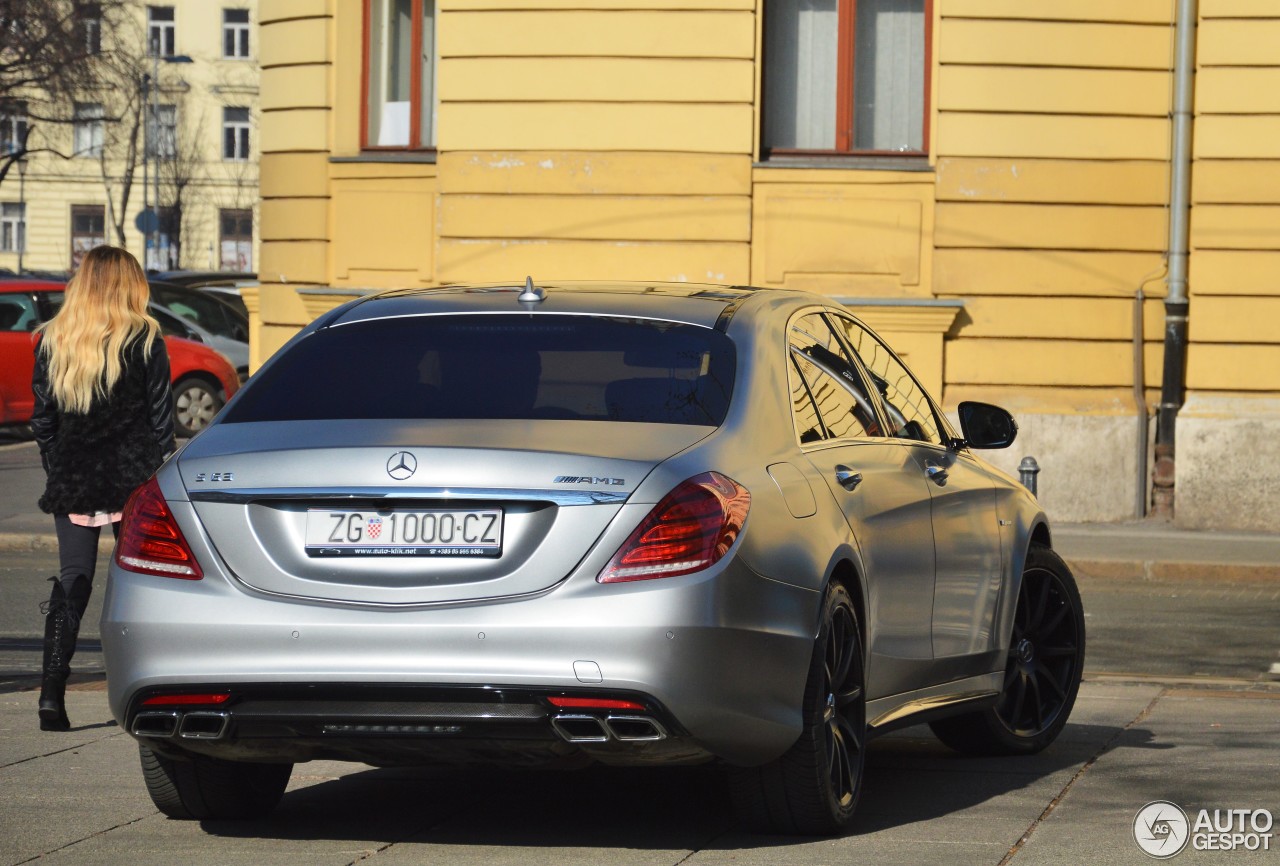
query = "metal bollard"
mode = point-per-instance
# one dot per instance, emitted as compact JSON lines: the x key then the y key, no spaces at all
{"x":1028,"y":469}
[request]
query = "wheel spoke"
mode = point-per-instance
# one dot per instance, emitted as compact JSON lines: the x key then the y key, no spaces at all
{"x":841,"y":768}
{"x":1055,"y":651}
{"x":849,"y":696}
{"x":1037,"y":702}
{"x":1054,"y":621}
{"x":1009,"y":676}
{"x":1042,"y":602}
{"x":1018,"y":699}
{"x":1052,"y":681}
{"x":851,"y":734}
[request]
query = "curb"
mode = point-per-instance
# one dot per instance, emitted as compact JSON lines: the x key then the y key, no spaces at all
{"x":18,"y":542}
{"x":1150,"y":569}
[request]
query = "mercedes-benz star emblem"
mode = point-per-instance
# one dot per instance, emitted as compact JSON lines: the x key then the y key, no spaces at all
{"x":402,"y":465}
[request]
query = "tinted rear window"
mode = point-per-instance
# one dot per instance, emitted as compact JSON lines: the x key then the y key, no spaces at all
{"x":498,"y":366}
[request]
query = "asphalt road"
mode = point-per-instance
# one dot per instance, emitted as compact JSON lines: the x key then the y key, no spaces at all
{"x":1179,"y":704}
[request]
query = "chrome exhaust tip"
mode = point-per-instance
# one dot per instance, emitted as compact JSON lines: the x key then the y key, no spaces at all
{"x":203,"y":725}
{"x":580,"y":729}
{"x":157,"y":725}
{"x":634,"y":729}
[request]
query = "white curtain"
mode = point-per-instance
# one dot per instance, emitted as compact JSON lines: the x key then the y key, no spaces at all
{"x":801,"y":41}
{"x":889,"y":75}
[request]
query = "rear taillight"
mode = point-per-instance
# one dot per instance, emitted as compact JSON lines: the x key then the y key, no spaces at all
{"x":690,"y":529}
{"x":150,"y":541}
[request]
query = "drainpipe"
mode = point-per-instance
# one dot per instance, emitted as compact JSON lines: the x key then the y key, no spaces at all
{"x":1174,"y":388}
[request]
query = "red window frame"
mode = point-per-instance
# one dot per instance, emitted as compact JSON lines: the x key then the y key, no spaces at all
{"x":415,"y":84}
{"x":847,"y":17}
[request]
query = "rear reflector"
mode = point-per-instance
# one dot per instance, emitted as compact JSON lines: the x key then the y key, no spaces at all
{"x":596,"y":703}
{"x":185,"y":700}
{"x":690,"y":529}
{"x":150,"y":541}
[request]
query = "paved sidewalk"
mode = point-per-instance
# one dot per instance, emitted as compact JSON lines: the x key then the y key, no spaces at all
{"x":1149,"y":549}
{"x":78,"y":798}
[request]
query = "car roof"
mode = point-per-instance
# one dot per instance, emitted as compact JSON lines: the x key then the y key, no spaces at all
{"x":693,"y":303}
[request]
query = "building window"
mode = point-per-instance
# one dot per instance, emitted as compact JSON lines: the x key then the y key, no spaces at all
{"x":13,"y":127}
{"x":160,"y":31}
{"x":400,"y":64}
{"x":89,"y":19}
{"x":87,"y":129}
{"x":13,"y":227}
{"x":235,"y":133}
{"x":162,"y":133}
{"x":846,"y":76}
{"x":88,"y":230}
{"x":237,"y":240}
{"x":235,"y":33}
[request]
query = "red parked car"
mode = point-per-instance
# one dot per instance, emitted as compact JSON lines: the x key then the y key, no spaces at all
{"x":202,"y":379}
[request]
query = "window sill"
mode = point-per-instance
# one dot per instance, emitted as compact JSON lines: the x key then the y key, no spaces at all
{"x":421,"y":156}
{"x":918,"y":164}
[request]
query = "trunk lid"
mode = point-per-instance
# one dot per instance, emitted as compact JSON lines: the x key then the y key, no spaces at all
{"x":511,"y":511}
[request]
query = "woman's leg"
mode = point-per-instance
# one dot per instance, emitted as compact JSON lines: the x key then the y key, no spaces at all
{"x":78,"y":557}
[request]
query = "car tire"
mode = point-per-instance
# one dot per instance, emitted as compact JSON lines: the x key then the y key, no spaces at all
{"x":1042,"y":675}
{"x":195,"y":402}
{"x":205,"y":787}
{"x":813,"y":788}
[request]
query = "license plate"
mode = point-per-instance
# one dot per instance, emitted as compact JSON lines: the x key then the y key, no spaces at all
{"x":403,"y":532}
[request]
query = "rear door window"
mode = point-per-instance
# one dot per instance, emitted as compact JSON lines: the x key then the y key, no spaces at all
{"x":498,"y":366}
{"x":825,"y":375}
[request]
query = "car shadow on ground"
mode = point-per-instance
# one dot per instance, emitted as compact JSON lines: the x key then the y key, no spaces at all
{"x":911,"y":777}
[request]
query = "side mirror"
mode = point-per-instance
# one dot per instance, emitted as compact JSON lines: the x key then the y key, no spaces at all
{"x":986,"y":426}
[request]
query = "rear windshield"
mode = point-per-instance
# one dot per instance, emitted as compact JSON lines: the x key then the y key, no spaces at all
{"x":592,"y":368}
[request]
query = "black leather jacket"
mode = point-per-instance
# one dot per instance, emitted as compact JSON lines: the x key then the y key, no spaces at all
{"x":95,"y":459}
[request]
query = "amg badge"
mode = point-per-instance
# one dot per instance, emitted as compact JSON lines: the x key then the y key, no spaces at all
{"x":588,"y":479}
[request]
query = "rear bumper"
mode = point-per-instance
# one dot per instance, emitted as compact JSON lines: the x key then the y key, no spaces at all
{"x":718,"y":659}
{"x":394,"y":724}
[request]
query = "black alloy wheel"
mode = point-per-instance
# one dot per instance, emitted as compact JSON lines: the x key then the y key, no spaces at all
{"x":844,"y":714}
{"x":1042,"y":671}
{"x":814,"y":787}
{"x":1043,"y":668}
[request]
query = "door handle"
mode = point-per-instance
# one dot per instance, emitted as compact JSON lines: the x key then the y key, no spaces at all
{"x":937,"y":474}
{"x":847,"y":478}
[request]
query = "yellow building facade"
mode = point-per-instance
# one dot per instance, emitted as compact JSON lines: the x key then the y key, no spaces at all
{"x":205,"y":134}
{"x":999,"y":236}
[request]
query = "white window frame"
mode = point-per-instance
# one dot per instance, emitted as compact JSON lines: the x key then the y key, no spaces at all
{"x":238,"y":32}
{"x":89,"y":17}
{"x":162,"y":35}
{"x":162,"y":132}
{"x":13,"y":126}
{"x":13,"y":227}
{"x":236,"y":250}
{"x":236,"y":133}
{"x":87,"y":129}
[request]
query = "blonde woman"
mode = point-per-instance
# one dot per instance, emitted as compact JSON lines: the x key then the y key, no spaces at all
{"x":104,"y":421}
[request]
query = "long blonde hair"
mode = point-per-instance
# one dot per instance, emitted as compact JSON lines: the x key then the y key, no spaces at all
{"x":104,"y":311}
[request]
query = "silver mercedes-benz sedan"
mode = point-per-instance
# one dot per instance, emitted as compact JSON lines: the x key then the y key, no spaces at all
{"x":557,"y":524}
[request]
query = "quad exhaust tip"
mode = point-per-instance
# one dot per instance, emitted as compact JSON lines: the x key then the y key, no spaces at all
{"x":594,"y":729}
{"x":190,"y":726}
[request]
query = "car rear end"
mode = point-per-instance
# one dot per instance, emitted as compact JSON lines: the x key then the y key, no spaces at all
{"x":456,"y":527}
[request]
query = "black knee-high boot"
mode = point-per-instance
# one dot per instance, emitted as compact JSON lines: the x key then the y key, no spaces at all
{"x":61,"y":627}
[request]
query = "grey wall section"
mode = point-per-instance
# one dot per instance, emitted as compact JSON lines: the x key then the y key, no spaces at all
{"x":1088,"y":464}
{"x":1229,"y":463}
